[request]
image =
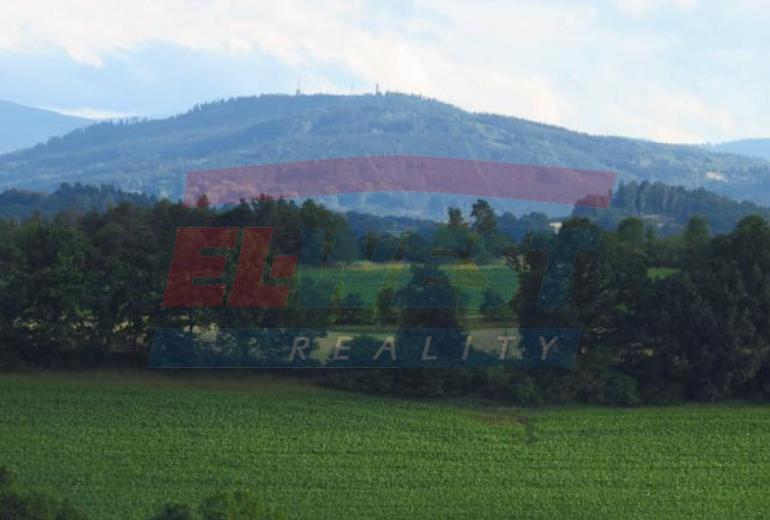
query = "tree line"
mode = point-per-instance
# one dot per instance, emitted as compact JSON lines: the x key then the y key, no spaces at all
{"x":663,"y":318}
{"x":669,"y":208}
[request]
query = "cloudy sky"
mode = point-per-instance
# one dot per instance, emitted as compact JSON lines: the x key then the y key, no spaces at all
{"x":671,"y":70}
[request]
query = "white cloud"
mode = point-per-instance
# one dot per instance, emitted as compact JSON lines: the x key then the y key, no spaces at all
{"x":643,"y":7}
{"x":671,"y":116}
{"x":571,"y":63}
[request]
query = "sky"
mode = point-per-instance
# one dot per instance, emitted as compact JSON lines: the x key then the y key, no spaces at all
{"x":685,"y":71}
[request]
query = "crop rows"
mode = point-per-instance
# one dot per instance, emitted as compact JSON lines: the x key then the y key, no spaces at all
{"x":122,"y":446}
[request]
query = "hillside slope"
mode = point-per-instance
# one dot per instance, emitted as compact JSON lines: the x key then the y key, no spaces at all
{"x":154,"y":155}
{"x":751,"y":147}
{"x":22,"y":127}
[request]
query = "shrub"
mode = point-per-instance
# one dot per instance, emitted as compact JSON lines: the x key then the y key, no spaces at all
{"x":7,"y":478}
{"x":619,"y":389}
{"x":661,"y":391}
{"x":493,"y":305}
{"x":16,"y":505}
{"x":557,"y":385}
{"x":524,"y":391}
{"x":236,"y":505}
{"x":513,"y":386}
{"x":174,"y":512}
{"x":233,"y":505}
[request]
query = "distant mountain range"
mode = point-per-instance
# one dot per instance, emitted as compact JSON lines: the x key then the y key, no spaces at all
{"x":153,"y":155}
{"x":23,"y":127}
{"x":750,"y":147}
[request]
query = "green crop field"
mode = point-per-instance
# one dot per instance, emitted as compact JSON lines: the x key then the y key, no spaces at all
{"x":119,"y":444}
{"x":366,"y":279}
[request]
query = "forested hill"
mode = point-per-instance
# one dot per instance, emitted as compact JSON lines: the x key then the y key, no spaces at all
{"x":669,"y":208}
{"x":153,"y":155}
{"x":21,"y":204}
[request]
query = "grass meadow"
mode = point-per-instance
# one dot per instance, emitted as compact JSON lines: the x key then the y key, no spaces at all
{"x":121,"y":443}
{"x":366,"y":279}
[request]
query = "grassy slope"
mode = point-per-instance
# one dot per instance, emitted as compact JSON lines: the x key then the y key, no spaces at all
{"x":121,"y":444}
{"x":367,"y":279}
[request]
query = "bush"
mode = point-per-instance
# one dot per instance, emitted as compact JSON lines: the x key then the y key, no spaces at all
{"x":35,"y":506}
{"x":7,"y":478}
{"x":660,"y":391}
{"x":524,"y":391}
{"x":513,"y":386}
{"x":495,"y":383}
{"x":174,"y":512}
{"x":493,"y":305}
{"x":557,"y":385}
{"x":619,"y":389}
{"x":18,"y":505}
{"x":367,"y":381}
{"x":234,"y":505}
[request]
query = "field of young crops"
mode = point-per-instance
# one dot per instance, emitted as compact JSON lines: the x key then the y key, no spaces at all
{"x":120,"y":444}
{"x":366,"y":279}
